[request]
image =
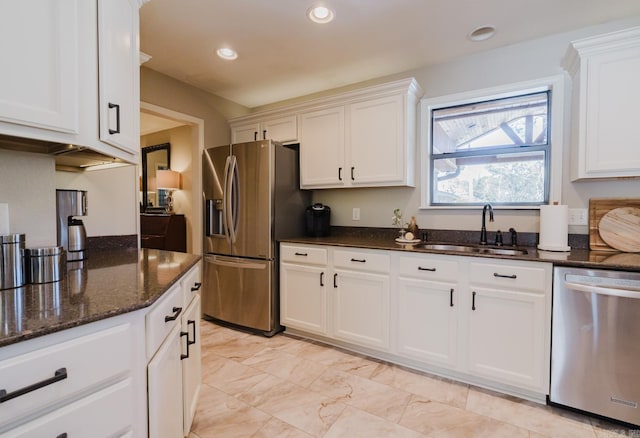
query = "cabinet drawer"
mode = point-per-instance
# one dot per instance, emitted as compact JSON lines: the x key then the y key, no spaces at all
{"x":361,"y":260}
{"x":429,"y":268}
{"x":164,"y":315}
{"x":191,"y":284}
{"x":303,"y":254}
{"x":86,"y":361}
{"x":106,"y":413}
{"x":531,"y":277}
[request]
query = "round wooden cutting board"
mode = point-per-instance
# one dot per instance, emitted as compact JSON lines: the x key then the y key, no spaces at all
{"x":620,"y":229}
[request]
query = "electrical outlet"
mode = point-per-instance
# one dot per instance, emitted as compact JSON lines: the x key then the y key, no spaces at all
{"x":356,"y":214}
{"x":578,"y":216}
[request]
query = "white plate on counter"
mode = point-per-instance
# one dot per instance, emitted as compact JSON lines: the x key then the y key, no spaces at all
{"x":407,"y":241}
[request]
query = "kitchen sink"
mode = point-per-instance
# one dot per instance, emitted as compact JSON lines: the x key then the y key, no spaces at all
{"x":472,"y":249}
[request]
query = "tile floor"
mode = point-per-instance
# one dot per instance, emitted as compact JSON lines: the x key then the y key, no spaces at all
{"x":290,"y":387}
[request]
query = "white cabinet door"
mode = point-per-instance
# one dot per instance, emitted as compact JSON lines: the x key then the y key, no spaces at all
{"x":191,"y":365}
{"x":303,"y":297}
{"x":39,"y":43}
{"x":119,"y":73}
{"x":427,"y":321}
{"x":322,"y":148}
{"x":613,"y":94}
{"x":375,"y":142}
{"x":605,"y":70}
{"x":361,"y":308}
{"x":281,"y":129}
{"x":506,"y":337}
{"x":245,"y":133}
{"x":164,"y":374}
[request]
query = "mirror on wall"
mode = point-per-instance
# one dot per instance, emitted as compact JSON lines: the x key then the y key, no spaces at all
{"x":154,"y":158}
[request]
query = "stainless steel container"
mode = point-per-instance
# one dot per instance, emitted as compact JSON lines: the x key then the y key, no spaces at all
{"x":44,"y":265}
{"x":12,"y":261}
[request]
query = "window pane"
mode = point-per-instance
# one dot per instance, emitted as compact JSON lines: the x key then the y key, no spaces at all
{"x":508,"y":122}
{"x":513,"y":178}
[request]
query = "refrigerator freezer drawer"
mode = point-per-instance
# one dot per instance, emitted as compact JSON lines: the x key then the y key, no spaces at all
{"x":239,"y":291}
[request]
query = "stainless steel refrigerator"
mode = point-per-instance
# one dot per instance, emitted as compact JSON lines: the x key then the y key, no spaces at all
{"x":251,"y":200}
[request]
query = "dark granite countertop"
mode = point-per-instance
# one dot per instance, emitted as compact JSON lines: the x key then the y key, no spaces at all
{"x":576,"y":257}
{"x":108,"y":283}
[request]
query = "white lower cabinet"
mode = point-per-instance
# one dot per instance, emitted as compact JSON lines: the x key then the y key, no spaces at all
{"x":485,"y":321}
{"x":174,"y":369}
{"x":509,"y":322}
{"x":85,"y":381}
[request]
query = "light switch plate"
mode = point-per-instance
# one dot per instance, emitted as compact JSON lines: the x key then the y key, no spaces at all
{"x":578,"y":216}
{"x":356,"y":214}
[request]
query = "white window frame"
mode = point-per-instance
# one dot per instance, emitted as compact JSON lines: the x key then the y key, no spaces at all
{"x":556,"y":84}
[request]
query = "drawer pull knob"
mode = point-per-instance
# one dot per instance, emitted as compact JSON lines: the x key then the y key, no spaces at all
{"x":512,"y":276}
{"x":62,"y":435}
{"x":335,"y":280}
{"x":451,"y":298}
{"x":177,"y":311}
{"x":185,"y":356}
{"x":420,"y":268}
{"x":322,"y":279}
{"x":359,"y":260}
{"x":303,"y":254}
{"x":59,"y":375}
{"x":473,"y":301}
{"x":195,"y":287}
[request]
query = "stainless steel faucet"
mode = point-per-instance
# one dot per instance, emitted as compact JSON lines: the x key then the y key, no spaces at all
{"x":483,"y":230}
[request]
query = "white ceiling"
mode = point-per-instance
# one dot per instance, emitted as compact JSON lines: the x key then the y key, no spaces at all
{"x":283,"y":55}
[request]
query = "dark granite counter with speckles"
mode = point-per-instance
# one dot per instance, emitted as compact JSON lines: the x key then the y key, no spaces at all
{"x":108,"y":283}
{"x":576,"y":257}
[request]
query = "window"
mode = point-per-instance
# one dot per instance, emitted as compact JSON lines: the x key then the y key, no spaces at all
{"x":492,"y":148}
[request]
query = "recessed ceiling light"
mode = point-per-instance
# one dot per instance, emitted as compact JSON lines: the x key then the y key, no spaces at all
{"x":320,"y":13}
{"x":227,"y":53}
{"x":482,"y":33}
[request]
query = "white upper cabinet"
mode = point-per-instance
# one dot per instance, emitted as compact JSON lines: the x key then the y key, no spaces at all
{"x":282,"y":129}
{"x":322,"y":156}
{"x":119,"y":75}
{"x":373,"y":145}
{"x":71,"y":73}
{"x":39,"y":77}
{"x":606,"y":92}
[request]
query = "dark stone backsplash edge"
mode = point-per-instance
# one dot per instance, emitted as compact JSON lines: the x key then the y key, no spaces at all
{"x":576,"y":241}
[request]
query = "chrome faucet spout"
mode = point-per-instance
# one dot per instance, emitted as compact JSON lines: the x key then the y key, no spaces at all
{"x":483,"y":230}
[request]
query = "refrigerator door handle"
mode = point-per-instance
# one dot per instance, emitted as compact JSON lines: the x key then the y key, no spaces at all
{"x":226,"y":199}
{"x":234,"y":199}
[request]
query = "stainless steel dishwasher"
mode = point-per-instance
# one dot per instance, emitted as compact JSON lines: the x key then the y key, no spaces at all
{"x":595,"y":351}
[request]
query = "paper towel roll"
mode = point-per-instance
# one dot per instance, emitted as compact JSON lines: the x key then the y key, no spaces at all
{"x":4,"y":219}
{"x":554,"y":228}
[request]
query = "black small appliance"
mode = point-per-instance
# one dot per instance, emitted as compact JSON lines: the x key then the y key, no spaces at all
{"x":318,"y":220}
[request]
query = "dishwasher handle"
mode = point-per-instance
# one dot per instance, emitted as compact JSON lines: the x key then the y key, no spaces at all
{"x":611,"y":291}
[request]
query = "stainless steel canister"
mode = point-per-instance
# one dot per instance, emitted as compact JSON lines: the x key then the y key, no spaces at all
{"x":44,"y":265}
{"x":12,"y":261}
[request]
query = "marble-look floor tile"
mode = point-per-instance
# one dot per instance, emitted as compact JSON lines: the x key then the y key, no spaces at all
{"x":354,"y":423}
{"x":222,"y":416}
{"x":373,"y":397}
{"x":314,"y":417}
{"x":285,"y":365}
{"x":430,"y":387}
{"x":280,"y":429}
{"x":230,"y":376}
{"x":528,"y":415}
{"x":441,"y":420}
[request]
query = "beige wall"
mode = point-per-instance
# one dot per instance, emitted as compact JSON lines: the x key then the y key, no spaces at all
{"x":112,"y":199}
{"x":517,"y":63}
{"x":27,"y":185}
